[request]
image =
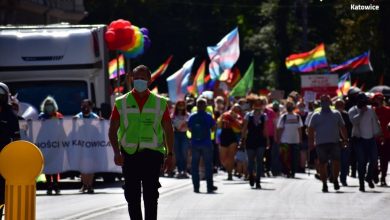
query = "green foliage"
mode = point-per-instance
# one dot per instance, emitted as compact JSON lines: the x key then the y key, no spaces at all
{"x":270,"y":30}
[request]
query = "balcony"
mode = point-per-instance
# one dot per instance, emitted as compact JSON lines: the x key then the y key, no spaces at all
{"x":41,"y":11}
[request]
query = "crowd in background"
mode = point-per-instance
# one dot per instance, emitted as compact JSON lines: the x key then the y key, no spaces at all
{"x":258,"y":136}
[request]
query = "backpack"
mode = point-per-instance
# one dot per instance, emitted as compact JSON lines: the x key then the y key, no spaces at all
{"x":284,"y":118}
{"x":199,"y":131}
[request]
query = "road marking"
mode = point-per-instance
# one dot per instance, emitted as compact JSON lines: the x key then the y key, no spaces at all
{"x":91,"y":214}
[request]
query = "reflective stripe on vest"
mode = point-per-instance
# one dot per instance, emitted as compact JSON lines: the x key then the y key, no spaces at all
{"x":156,"y":111}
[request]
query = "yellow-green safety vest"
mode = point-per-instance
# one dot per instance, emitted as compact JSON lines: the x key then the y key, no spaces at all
{"x":140,"y":130}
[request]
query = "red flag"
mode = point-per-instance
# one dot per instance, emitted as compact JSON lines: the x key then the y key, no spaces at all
{"x":163,"y":67}
{"x":231,"y":76}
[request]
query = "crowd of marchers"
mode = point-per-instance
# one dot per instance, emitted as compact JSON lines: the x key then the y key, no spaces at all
{"x":259,"y":136}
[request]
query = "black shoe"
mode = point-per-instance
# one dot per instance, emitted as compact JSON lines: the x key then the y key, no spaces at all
{"x":383,"y":183}
{"x":90,"y":190}
{"x":336,"y":185}
{"x":324,"y":188}
{"x":83,"y":189}
{"x":361,"y":189}
{"x":258,"y":186}
{"x":230,"y":176}
{"x":196,"y":190}
{"x":370,"y":184}
{"x":57,"y":189}
{"x":353,"y":175}
{"x":375,"y":179}
{"x":49,"y":192}
{"x":251,"y":181}
{"x":344,"y":183}
{"x":317,"y":176}
{"x":213,"y":189}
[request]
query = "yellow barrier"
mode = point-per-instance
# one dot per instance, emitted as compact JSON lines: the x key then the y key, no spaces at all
{"x":20,"y":163}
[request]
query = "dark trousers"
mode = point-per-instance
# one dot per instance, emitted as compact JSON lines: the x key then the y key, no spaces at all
{"x":206,"y":152}
{"x":142,"y":168}
{"x":255,"y":156}
{"x":366,"y":152}
{"x":181,"y":150}
{"x":384,"y":156}
{"x":268,"y":156}
{"x":344,"y":163}
{"x":52,"y":181}
{"x":353,"y":156}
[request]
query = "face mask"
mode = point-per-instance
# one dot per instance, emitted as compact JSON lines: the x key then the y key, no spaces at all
{"x":49,"y":109}
{"x":140,"y":85}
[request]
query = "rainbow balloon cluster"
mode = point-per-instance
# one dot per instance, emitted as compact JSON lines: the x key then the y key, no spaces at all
{"x":129,"y":39}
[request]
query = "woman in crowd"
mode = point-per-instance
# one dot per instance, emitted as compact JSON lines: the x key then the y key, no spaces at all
{"x":255,"y":137}
{"x":229,"y":122}
{"x":49,"y":110}
{"x":179,"y":120}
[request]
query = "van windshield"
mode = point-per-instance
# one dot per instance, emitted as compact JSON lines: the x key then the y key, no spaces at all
{"x":68,"y":94}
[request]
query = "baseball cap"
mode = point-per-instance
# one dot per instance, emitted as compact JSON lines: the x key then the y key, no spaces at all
{"x":378,"y":95}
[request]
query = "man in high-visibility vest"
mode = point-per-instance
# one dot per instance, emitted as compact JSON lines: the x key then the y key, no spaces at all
{"x":141,"y":135}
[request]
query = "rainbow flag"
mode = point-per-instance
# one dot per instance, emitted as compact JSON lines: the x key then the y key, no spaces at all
{"x":344,"y":84}
{"x":161,"y":70}
{"x":198,"y":85}
{"x":308,"y":61}
{"x":112,"y":67}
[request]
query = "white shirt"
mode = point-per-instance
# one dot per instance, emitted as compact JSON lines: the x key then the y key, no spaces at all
{"x":290,"y":125}
{"x":365,"y":124}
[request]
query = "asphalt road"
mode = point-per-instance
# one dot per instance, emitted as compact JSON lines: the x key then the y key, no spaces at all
{"x":279,"y":198}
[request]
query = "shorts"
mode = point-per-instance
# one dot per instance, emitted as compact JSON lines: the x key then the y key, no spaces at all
{"x":228,"y":137}
{"x":328,"y":151}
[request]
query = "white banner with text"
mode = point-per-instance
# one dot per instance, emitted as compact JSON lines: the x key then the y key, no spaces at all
{"x":72,"y":144}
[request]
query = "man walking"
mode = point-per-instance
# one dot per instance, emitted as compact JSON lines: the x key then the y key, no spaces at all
{"x":365,"y":128}
{"x":326,"y":127}
{"x":141,"y":135}
{"x":200,"y":124}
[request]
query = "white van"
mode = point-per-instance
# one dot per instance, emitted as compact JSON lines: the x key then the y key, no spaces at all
{"x":68,"y":62}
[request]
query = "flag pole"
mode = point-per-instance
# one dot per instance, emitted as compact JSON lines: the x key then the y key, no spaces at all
{"x":129,"y":72}
{"x":118,"y":73}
